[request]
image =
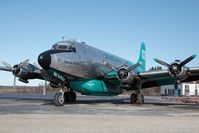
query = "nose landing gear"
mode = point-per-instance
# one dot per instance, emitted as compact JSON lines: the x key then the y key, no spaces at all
{"x":62,"y":97}
{"x":59,"y":99}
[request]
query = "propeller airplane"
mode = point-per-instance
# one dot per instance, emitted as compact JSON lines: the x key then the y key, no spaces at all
{"x":81,"y":68}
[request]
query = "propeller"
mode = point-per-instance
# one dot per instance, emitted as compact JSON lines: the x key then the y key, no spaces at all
{"x":37,"y":65}
{"x":15,"y":69}
{"x":175,"y":68}
{"x":121,"y":72}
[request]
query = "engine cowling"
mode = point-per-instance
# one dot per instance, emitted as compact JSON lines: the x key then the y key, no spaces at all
{"x":126,"y":77}
{"x":21,"y":72}
{"x":176,"y":68}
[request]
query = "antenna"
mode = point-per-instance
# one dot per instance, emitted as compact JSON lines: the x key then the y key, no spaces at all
{"x":63,"y":37}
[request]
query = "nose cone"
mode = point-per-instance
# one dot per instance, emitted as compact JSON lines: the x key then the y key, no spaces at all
{"x":44,"y":60}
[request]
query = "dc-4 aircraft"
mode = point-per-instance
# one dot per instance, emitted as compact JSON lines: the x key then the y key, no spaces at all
{"x":90,"y":71}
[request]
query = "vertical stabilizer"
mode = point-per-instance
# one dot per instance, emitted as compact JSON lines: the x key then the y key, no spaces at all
{"x":142,"y":57}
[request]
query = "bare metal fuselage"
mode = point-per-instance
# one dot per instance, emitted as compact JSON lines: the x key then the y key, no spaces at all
{"x":87,"y":62}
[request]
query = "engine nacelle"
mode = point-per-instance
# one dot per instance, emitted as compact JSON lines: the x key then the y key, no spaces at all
{"x":126,"y":78}
{"x":181,"y":72}
{"x":25,"y":72}
{"x":21,"y":73}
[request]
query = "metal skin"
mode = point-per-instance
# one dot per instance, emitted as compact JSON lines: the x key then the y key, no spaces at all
{"x":84,"y":69}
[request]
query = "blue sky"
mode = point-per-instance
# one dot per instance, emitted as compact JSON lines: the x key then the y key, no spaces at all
{"x":169,"y":28}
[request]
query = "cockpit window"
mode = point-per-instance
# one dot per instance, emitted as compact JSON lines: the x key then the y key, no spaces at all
{"x":64,"y":47}
{"x":67,"y":47}
{"x":54,"y":46}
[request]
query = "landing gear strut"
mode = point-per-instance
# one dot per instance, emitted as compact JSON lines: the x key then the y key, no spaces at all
{"x":137,"y":97}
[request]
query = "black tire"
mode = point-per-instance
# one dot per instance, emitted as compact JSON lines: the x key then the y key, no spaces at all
{"x":133,"y":98}
{"x":70,"y":97}
{"x":66,"y":96}
{"x":140,"y":99}
{"x":59,"y":99}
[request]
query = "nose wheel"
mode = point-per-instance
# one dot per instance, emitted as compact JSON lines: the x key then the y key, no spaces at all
{"x":64,"y":97}
{"x":59,"y":99}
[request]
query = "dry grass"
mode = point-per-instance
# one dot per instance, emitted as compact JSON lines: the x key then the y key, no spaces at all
{"x":38,"y":89}
{"x":23,"y":89}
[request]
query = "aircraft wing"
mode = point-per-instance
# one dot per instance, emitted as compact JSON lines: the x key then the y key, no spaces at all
{"x":160,"y":78}
{"x":5,"y":69}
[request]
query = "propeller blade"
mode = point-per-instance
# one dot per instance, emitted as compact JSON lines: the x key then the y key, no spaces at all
{"x":23,"y":63}
{"x":133,"y":67}
{"x":5,"y":68}
{"x":45,"y":86}
{"x":6,"y":64}
{"x":188,"y":60}
{"x":161,"y":62}
{"x":110,"y":66}
{"x":37,"y":65}
{"x":14,"y":84}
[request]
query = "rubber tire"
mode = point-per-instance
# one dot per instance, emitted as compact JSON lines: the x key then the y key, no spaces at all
{"x":133,"y":98}
{"x":66,"y":97}
{"x":57,"y":99}
{"x":70,"y":97}
{"x":140,"y":99}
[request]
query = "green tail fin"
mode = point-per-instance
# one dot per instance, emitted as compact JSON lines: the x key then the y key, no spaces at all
{"x":142,"y":57}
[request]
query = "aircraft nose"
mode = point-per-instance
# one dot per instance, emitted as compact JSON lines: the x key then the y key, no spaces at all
{"x":44,"y":60}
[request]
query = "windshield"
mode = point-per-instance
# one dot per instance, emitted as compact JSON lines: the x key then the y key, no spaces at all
{"x":54,"y":46}
{"x":65,"y":46}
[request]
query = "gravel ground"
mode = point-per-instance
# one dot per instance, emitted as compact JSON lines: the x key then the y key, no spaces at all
{"x":34,"y":113}
{"x":56,"y":123}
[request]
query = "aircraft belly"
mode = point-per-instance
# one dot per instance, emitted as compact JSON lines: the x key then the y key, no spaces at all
{"x":94,"y":87}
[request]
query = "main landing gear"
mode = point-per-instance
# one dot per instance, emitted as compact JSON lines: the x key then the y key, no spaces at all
{"x":137,"y":97}
{"x":62,"y":97}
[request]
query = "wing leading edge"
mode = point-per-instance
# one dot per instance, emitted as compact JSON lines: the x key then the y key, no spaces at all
{"x":160,"y":78}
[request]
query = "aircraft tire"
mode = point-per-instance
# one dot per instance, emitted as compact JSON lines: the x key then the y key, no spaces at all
{"x":73,"y":97}
{"x":59,"y":99}
{"x":140,"y":99}
{"x":66,"y":96}
{"x":133,"y":98}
